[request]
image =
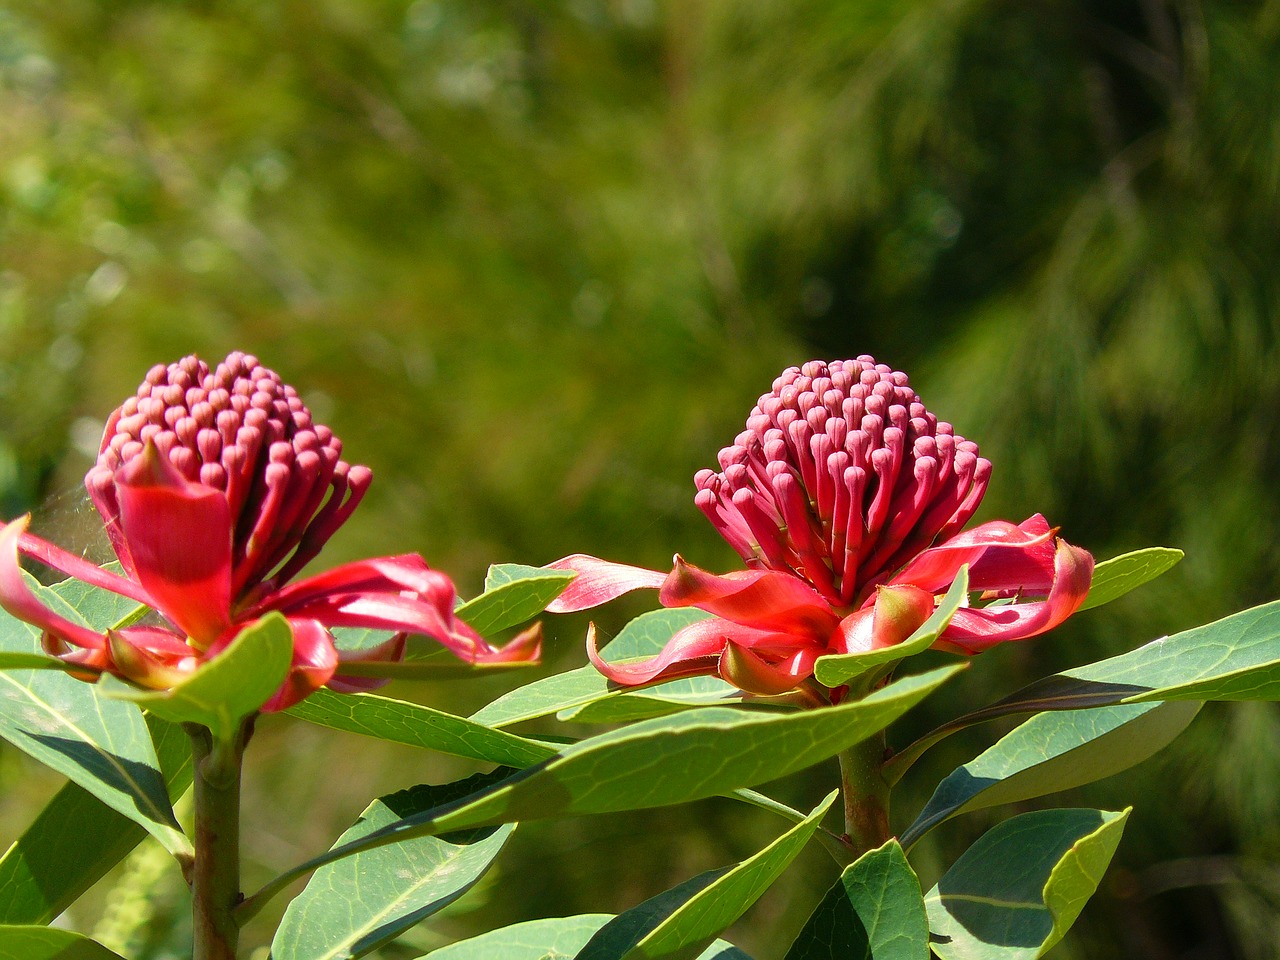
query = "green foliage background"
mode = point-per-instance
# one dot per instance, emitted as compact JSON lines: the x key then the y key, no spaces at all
{"x":534,"y":262}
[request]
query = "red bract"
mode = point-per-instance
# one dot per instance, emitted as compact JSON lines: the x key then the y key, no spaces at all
{"x":846,"y":499}
{"x":216,"y":488}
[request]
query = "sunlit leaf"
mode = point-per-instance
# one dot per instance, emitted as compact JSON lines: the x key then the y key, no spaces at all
{"x":100,"y":744}
{"x":688,"y":756}
{"x":358,"y":903}
{"x":875,"y":911}
{"x":1053,"y":752}
{"x":644,"y":636}
{"x":16,"y":660}
{"x":836,"y":669}
{"x":42,"y":943}
{"x":226,"y":689}
{"x":77,"y":838}
{"x":419,"y":726}
{"x":513,"y":593}
{"x":551,"y":939}
{"x":689,"y":916}
{"x":1236,"y":658}
{"x":1014,"y":893}
{"x":1114,"y":578}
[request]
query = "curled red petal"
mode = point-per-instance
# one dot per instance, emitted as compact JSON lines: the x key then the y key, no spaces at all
{"x":389,"y":651}
{"x":396,"y":574}
{"x":764,"y":599}
{"x":599,"y":581}
{"x":973,"y":630}
{"x":393,"y":612}
{"x":691,"y":652}
{"x":524,"y":647}
{"x":750,"y":672}
{"x":314,"y":661}
{"x":74,"y":566}
{"x":18,"y":599}
{"x":179,"y":536}
{"x":1018,"y":567}
{"x":934,"y":569}
{"x":94,"y":662}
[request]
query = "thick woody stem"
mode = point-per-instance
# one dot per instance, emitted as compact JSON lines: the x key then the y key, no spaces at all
{"x":215,"y":877}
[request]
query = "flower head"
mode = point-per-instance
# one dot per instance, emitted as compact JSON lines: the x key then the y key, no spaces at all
{"x":846,"y":499}
{"x":216,"y":488}
{"x":841,"y":476}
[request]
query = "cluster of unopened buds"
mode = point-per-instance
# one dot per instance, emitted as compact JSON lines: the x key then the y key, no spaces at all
{"x":216,"y":488}
{"x":846,"y":498}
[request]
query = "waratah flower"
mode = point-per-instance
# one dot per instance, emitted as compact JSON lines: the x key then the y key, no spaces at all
{"x":216,"y":488}
{"x":846,"y":498}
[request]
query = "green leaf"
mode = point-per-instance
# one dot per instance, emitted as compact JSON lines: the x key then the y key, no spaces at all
{"x":1014,"y":893}
{"x":16,"y":660}
{"x":228,"y":688}
{"x":875,"y":911}
{"x":358,"y":903}
{"x":77,"y":838}
{"x":551,"y":939}
{"x":419,"y":726}
{"x":41,"y":943}
{"x":655,"y":701}
{"x":442,"y":668}
{"x":501,"y":574}
{"x":1053,"y":752}
{"x":696,"y":754}
{"x":513,"y":593}
{"x":1236,"y":658}
{"x":100,"y":609}
{"x":837,"y":669}
{"x":99,"y":744}
{"x":687,"y":917}
{"x":1114,"y":578}
{"x":644,"y":636}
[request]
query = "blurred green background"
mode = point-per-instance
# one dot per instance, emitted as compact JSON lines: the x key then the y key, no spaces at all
{"x":535,"y":261}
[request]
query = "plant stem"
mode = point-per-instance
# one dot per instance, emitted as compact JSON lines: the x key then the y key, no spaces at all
{"x":215,"y":877}
{"x":866,"y":795}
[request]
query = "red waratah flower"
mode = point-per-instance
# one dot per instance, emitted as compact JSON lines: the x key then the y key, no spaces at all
{"x":846,"y":499}
{"x":216,"y":488}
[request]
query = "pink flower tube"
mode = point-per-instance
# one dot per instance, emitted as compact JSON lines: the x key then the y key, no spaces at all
{"x":216,"y":488}
{"x":846,"y":499}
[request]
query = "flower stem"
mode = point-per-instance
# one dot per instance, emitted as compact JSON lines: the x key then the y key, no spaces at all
{"x":215,"y":877}
{"x":866,"y":795}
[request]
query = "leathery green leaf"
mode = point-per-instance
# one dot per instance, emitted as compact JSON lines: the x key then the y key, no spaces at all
{"x":419,"y":726}
{"x":1113,"y":578}
{"x":568,"y":693}
{"x":1014,"y":893}
{"x":228,"y":688}
{"x":1236,"y":658}
{"x":1053,"y":752}
{"x":15,"y":660}
{"x":77,"y":838}
{"x":556,"y":937}
{"x":875,"y":911}
{"x":684,"y":919}
{"x":99,"y":744}
{"x":688,"y":756}
{"x":356,"y":904}
{"x":513,"y":593}
{"x":836,"y":669}
{"x":42,"y":943}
